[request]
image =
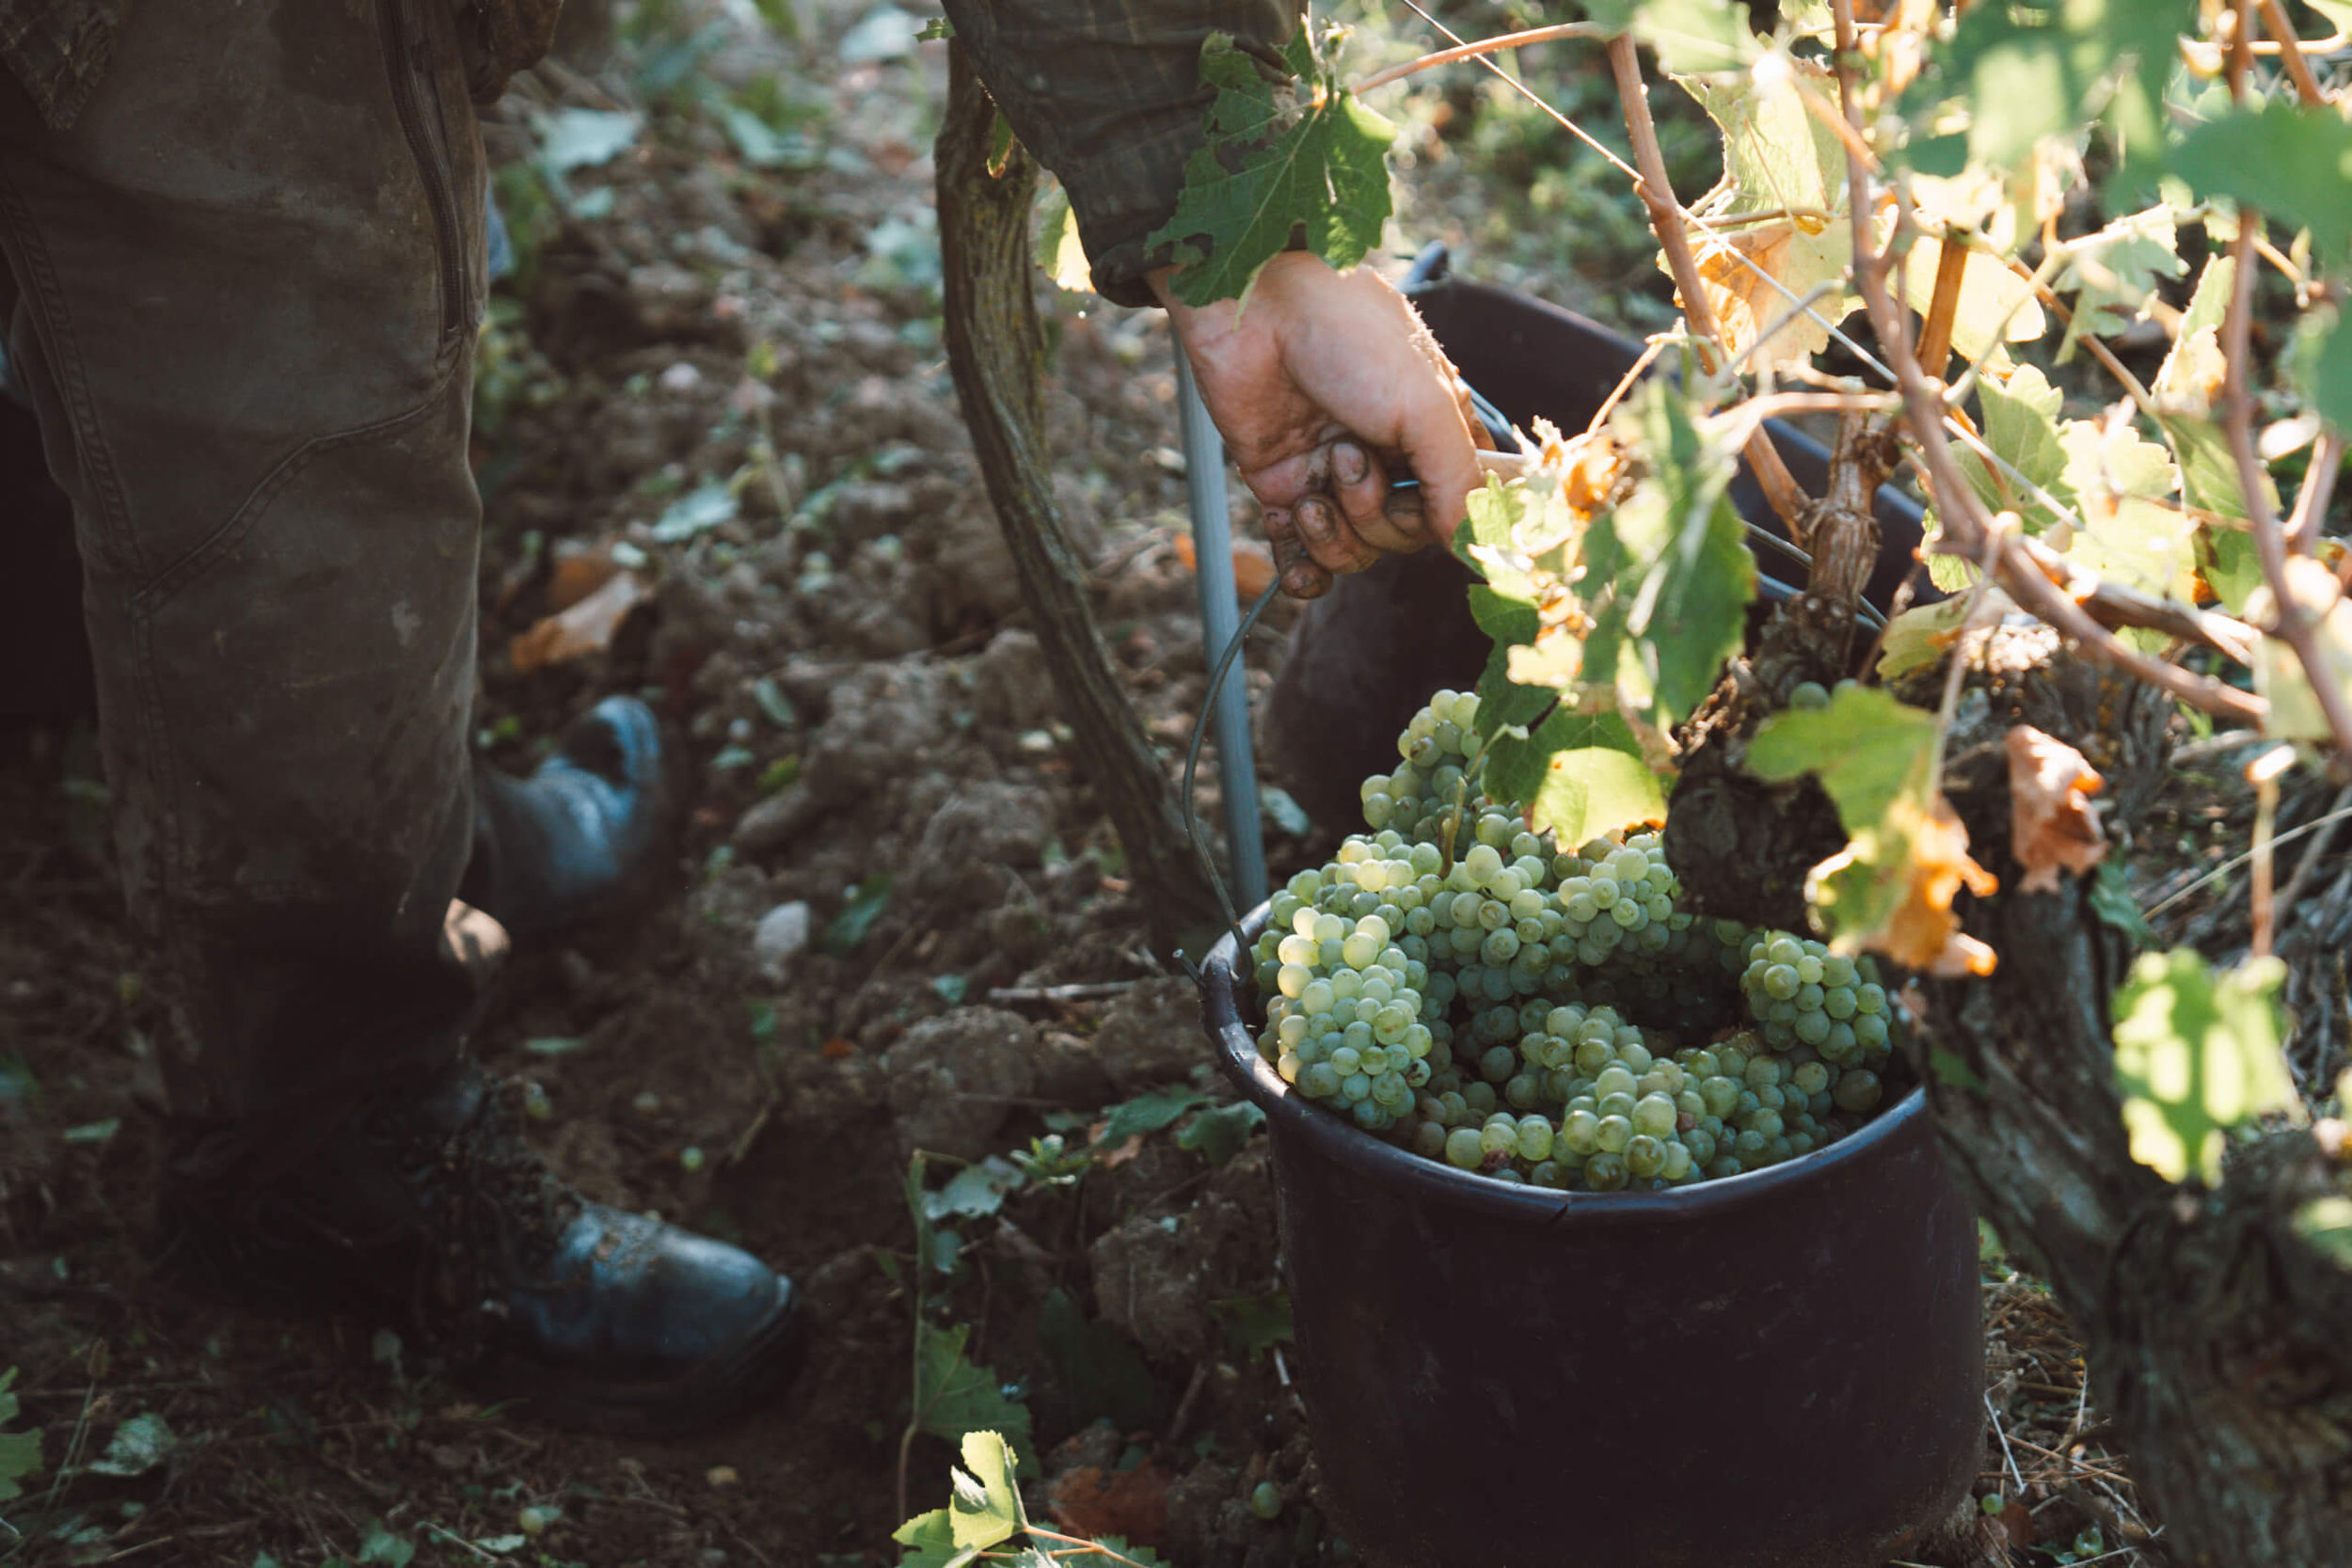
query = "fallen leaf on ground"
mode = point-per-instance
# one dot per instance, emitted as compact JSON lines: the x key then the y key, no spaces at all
{"x":2053,"y":824}
{"x":585,"y":628}
{"x":578,"y":572}
{"x":1130,"y":1503}
{"x":1253,"y":567}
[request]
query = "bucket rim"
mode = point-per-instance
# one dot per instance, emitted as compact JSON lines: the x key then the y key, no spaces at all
{"x":1362,"y":1152}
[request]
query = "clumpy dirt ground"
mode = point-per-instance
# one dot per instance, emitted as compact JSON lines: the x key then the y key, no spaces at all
{"x":715,"y":386}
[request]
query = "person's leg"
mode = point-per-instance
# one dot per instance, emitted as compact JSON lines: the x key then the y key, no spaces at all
{"x":250,"y":277}
{"x":246,"y":313}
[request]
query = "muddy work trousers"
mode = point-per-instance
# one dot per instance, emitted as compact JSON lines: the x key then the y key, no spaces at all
{"x":243,"y":291}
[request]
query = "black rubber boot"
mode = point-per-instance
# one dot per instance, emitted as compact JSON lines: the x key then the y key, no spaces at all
{"x":566,"y":845}
{"x":429,"y":1207}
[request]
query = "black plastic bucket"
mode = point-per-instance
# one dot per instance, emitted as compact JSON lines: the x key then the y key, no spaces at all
{"x":1780,"y":1369}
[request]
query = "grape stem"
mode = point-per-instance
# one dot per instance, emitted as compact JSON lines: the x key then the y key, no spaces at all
{"x":2307,"y":85}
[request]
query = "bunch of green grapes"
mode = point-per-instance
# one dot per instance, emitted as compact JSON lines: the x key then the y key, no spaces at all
{"x":1461,"y":985}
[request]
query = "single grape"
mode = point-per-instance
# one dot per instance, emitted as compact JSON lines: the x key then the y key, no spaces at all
{"x":1615,"y":1132}
{"x":1645,"y":1157}
{"x":1808,"y":694}
{"x":1579,"y":1133}
{"x":1464,"y":1147}
{"x":1858,"y":1090}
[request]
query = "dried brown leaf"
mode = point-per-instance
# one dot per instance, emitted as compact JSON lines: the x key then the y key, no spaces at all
{"x":2054,"y":826}
{"x":585,"y":628}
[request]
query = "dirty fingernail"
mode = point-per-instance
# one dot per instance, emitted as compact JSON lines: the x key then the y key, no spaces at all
{"x":1348,"y":461}
{"x":1314,"y":520}
{"x":1305,"y":580}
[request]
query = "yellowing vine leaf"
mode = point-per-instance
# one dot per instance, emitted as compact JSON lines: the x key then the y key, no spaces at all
{"x":2191,"y":375}
{"x":1921,"y":636}
{"x":2054,"y":826}
{"x":2123,"y":487}
{"x":1891,"y":890}
{"x":1779,"y":211}
{"x":1302,"y":156}
{"x":2197,"y":1054}
{"x":1995,"y":305}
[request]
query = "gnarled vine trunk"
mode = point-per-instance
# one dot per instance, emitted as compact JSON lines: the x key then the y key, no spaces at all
{"x":2220,"y":1340}
{"x":995,"y":351}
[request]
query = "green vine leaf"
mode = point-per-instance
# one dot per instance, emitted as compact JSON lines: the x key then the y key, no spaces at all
{"x":1581,"y":775}
{"x":20,"y":1452}
{"x":1689,"y":35}
{"x":2122,"y":485}
{"x":2196,"y":1055}
{"x":2288,"y":162}
{"x":984,"y":1506}
{"x":1301,"y":158}
{"x":1677,"y":564}
{"x":2038,"y":69}
{"x":2021,"y":427}
{"x":1503,"y":518}
{"x":929,"y":1540}
{"x":955,"y":1398}
{"x":1867,"y":747}
{"x":2113,"y":274}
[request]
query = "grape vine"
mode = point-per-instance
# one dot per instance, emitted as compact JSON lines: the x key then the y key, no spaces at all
{"x":2128,"y":465}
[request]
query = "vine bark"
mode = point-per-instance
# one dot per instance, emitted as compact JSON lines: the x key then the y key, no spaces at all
{"x":995,"y":350}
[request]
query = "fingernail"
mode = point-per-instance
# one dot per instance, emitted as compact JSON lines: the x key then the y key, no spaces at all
{"x":1348,"y":461}
{"x":1314,"y":520}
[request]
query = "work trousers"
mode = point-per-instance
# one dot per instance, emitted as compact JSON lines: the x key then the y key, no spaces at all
{"x":246,"y":285}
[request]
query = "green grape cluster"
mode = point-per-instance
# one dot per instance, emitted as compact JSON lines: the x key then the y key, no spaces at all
{"x":1465,"y":987}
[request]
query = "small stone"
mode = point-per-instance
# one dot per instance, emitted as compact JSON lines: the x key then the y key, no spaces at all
{"x":1152,"y":1035}
{"x":953,"y":1079}
{"x":780,"y":935}
{"x":776,"y":821}
{"x":722,"y":1475}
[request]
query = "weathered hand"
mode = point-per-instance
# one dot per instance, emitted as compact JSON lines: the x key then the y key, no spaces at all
{"x":1326,"y":383}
